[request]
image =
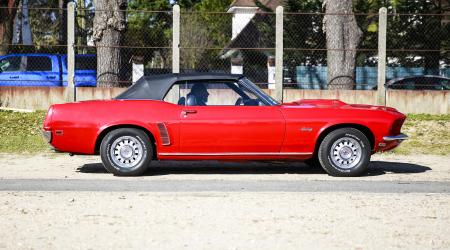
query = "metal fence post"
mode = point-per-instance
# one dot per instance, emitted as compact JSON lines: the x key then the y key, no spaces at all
{"x":70,"y":89}
{"x":279,"y":54}
{"x":176,"y":39}
{"x":382,"y":27}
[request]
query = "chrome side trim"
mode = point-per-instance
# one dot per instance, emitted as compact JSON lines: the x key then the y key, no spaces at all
{"x":164,"y":134}
{"x":399,"y":137}
{"x":235,"y":153}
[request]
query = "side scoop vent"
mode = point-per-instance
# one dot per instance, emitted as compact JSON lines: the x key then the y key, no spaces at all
{"x":164,"y":134}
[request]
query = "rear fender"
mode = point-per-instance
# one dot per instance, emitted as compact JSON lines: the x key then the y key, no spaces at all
{"x":150,"y":128}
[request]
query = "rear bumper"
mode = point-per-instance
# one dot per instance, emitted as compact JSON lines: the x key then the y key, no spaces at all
{"x":47,"y":135}
{"x":400,"y":137}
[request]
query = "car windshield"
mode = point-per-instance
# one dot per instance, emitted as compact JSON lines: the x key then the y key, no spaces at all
{"x":252,"y":87}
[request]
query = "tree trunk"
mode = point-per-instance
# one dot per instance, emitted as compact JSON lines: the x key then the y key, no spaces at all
{"x":62,"y":4}
{"x":109,"y":24}
{"x":81,"y":24}
{"x":27,"y":38}
{"x":343,"y":36}
{"x":434,"y":30}
{"x":7,"y":15}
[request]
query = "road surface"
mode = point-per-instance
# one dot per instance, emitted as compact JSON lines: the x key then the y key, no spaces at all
{"x":61,"y":202}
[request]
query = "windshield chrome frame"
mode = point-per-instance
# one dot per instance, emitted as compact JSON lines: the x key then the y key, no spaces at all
{"x":268,"y":100}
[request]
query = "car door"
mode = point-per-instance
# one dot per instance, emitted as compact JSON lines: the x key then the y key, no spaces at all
{"x":85,"y":70}
{"x":226,"y":122}
{"x":41,"y":70}
{"x":11,"y":70}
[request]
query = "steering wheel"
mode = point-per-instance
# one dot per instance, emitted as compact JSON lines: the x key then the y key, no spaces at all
{"x":239,"y":101}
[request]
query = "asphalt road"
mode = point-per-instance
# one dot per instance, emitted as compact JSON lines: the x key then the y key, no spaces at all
{"x":224,"y":186}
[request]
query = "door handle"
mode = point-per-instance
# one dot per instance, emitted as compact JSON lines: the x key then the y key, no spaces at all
{"x":14,"y":77}
{"x":186,"y":112}
{"x":51,"y":77}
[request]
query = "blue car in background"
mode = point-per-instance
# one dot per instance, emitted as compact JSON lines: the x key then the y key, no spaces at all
{"x":50,"y":70}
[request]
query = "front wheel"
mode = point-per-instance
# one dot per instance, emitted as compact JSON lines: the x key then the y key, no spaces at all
{"x":126,"y":152}
{"x":345,"y":152}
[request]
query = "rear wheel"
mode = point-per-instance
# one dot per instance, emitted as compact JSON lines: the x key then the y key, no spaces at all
{"x":345,"y":152}
{"x":126,"y":152}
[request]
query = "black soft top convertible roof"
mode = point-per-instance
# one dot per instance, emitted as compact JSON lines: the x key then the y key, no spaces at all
{"x":155,"y":87}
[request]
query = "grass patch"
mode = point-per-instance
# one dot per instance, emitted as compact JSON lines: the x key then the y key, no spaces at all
{"x":428,"y":117}
{"x":21,"y":132}
{"x":429,"y":134}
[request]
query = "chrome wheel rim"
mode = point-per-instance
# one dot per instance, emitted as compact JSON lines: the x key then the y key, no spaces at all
{"x":346,"y":152}
{"x":126,"y":152}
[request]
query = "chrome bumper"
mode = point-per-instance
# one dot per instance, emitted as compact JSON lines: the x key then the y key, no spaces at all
{"x":47,"y":135}
{"x":400,"y":137}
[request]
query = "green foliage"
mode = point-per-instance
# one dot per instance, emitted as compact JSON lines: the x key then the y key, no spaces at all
{"x":149,"y":29}
{"x":154,"y":29}
{"x":45,"y":24}
{"x":411,"y":32}
{"x":188,"y":4}
{"x":304,"y":31}
{"x":404,"y":32}
{"x":218,"y":25}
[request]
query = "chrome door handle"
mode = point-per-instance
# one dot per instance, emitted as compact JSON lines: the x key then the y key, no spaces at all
{"x":186,"y":112}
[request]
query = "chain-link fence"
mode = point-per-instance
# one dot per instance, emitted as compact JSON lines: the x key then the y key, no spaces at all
{"x":32,"y":44}
{"x":144,"y":46}
{"x":418,"y":45}
{"x":305,"y":51}
{"x":34,"y":47}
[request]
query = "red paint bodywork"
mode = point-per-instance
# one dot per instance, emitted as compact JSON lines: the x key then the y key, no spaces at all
{"x":286,"y":131}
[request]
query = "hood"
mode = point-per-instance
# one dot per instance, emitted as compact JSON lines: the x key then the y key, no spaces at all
{"x":334,"y":103}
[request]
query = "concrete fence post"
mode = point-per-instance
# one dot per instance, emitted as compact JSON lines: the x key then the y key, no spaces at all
{"x":382,"y":27}
{"x":176,"y":39}
{"x":279,"y":54}
{"x":70,"y":94}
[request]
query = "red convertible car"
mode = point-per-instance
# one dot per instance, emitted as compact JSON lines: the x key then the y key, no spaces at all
{"x":220,"y":117}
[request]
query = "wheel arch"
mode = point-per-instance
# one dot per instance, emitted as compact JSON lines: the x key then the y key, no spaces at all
{"x":110,"y":128}
{"x":364,"y":129}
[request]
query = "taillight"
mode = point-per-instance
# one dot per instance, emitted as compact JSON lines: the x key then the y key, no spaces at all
{"x":48,"y":118}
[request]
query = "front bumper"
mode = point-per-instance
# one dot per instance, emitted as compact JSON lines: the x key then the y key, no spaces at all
{"x":399,"y":138}
{"x":391,"y":142}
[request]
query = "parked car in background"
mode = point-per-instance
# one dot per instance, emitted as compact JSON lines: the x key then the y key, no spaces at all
{"x":220,"y":117}
{"x":425,"y":82}
{"x":46,"y":70}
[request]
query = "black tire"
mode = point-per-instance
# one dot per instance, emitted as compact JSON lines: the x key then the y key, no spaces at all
{"x":138,"y":145}
{"x":344,"y":142}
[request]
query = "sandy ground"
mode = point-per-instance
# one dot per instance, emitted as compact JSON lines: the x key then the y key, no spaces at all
{"x":383,"y":167}
{"x":223,"y":220}
{"x":83,"y":220}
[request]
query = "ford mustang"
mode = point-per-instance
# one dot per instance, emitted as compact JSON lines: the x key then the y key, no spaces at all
{"x":220,"y":117}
